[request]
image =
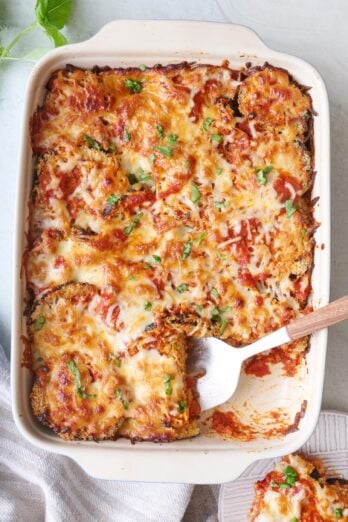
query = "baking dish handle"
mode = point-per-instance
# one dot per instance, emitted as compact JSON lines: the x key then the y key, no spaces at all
{"x":188,"y":36}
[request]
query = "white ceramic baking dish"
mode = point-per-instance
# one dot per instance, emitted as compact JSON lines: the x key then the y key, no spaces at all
{"x":202,"y":459}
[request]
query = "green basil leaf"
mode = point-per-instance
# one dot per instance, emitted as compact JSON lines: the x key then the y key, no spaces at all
{"x":76,"y":373}
{"x":182,"y":288}
{"x":159,"y":129}
{"x":223,"y":325}
{"x":219,"y":171}
{"x":126,"y":136}
{"x":200,"y":238}
{"x":182,"y":406}
{"x":207,"y":122}
{"x":220,"y":204}
{"x":55,"y":35}
{"x":147,"y":305}
{"x":114,"y":199}
{"x":118,"y":393}
{"x":132,"y":178}
{"x":172,"y":138}
{"x":165,"y":151}
{"x":142,"y":67}
{"x":134,"y":86}
{"x":290,"y":208}
{"x":39,"y":323}
{"x":195,"y":193}
{"x":186,"y":251}
{"x":91,"y":142}
{"x":214,"y":293}
{"x":217,"y":138}
{"x":129,"y":229}
{"x":53,"y":12}
{"x":156,"y":259}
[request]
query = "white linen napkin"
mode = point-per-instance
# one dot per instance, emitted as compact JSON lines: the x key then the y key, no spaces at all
{"x":36,"y":485}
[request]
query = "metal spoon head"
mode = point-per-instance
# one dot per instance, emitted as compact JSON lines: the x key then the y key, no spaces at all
{"x":222,"y":365}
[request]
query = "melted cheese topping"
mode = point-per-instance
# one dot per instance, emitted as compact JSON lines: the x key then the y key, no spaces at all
{"x":177,"y":196}
{"x":307,"y":499}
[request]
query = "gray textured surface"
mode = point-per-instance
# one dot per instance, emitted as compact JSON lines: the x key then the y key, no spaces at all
{"x":314,"y":30}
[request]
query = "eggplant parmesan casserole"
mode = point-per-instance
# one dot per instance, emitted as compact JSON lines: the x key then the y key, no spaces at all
{"x":298,"y":490}
{"x":168,"y":202}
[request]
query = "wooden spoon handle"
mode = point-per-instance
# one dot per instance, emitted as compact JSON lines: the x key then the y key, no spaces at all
{"x":332,"y":313}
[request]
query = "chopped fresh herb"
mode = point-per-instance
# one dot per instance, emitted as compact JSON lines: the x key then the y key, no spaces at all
{"x":262,"y":173}
{"x":126,"y":405}
{"x":219,"y":171}
{"x":182,"y":406}
{"x":215,"y":315}
{"x":156,"y":259}
{"x":284,"y":485}
{"x":172,"y":138}
{"x":39,"y":323}
{"x":174,"y":346}
{"x":152,"y":158}
{"x":144,"y":176}
{"x":132,"y":178}
{"x":290,"y":472}
{"x":118,"y":393}
{"x":195,"y":193}
{"x":142,"y":67}
{"x":290,"y":208}
{"x":338,"y":513}
{"x":223,"y":325}
{"x":207,"y":122}
{"x":92,"y":142}
{"x":168,"y":384}
{"x":113,"y":357}
{"x":220,"y":204}
{"x":186,"y":251}
{"x":126,"y":136}
{"x":112,"y":148}
{"x":165,"y":151}
{"x":214,"y":293}
{"x":76,"y":373}
{"x":201,"y":238}
{"x":260,"y":177}
{"x":268,"y":169}
{"x":274,"y":484}
{"x":217,"y":138}
{"x":134,"y":86}
{"x":114,"y":199}
{"x":147,"y":305}
{"x":182,"y":288}
{"x":199,"y":309}
{"x":187,"y":164}
{"x":77,"y":378}
{"x":225,"y":309}
{"x":159,"y":129}
{"x":222,"y":256}
{"x":294,"y":519}
{"x":129,"y":229}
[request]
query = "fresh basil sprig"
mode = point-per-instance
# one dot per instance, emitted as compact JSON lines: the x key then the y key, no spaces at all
{"x":51,"y":17}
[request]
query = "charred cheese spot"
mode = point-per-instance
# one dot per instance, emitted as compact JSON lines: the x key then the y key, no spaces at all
{"x":150,"y":198}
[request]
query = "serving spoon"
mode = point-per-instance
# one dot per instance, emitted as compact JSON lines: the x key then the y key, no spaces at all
{"x":222,"y":362}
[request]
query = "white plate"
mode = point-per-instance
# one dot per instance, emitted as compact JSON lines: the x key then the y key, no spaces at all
{"x":329,"y":441}
{"x":201,"y":460}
